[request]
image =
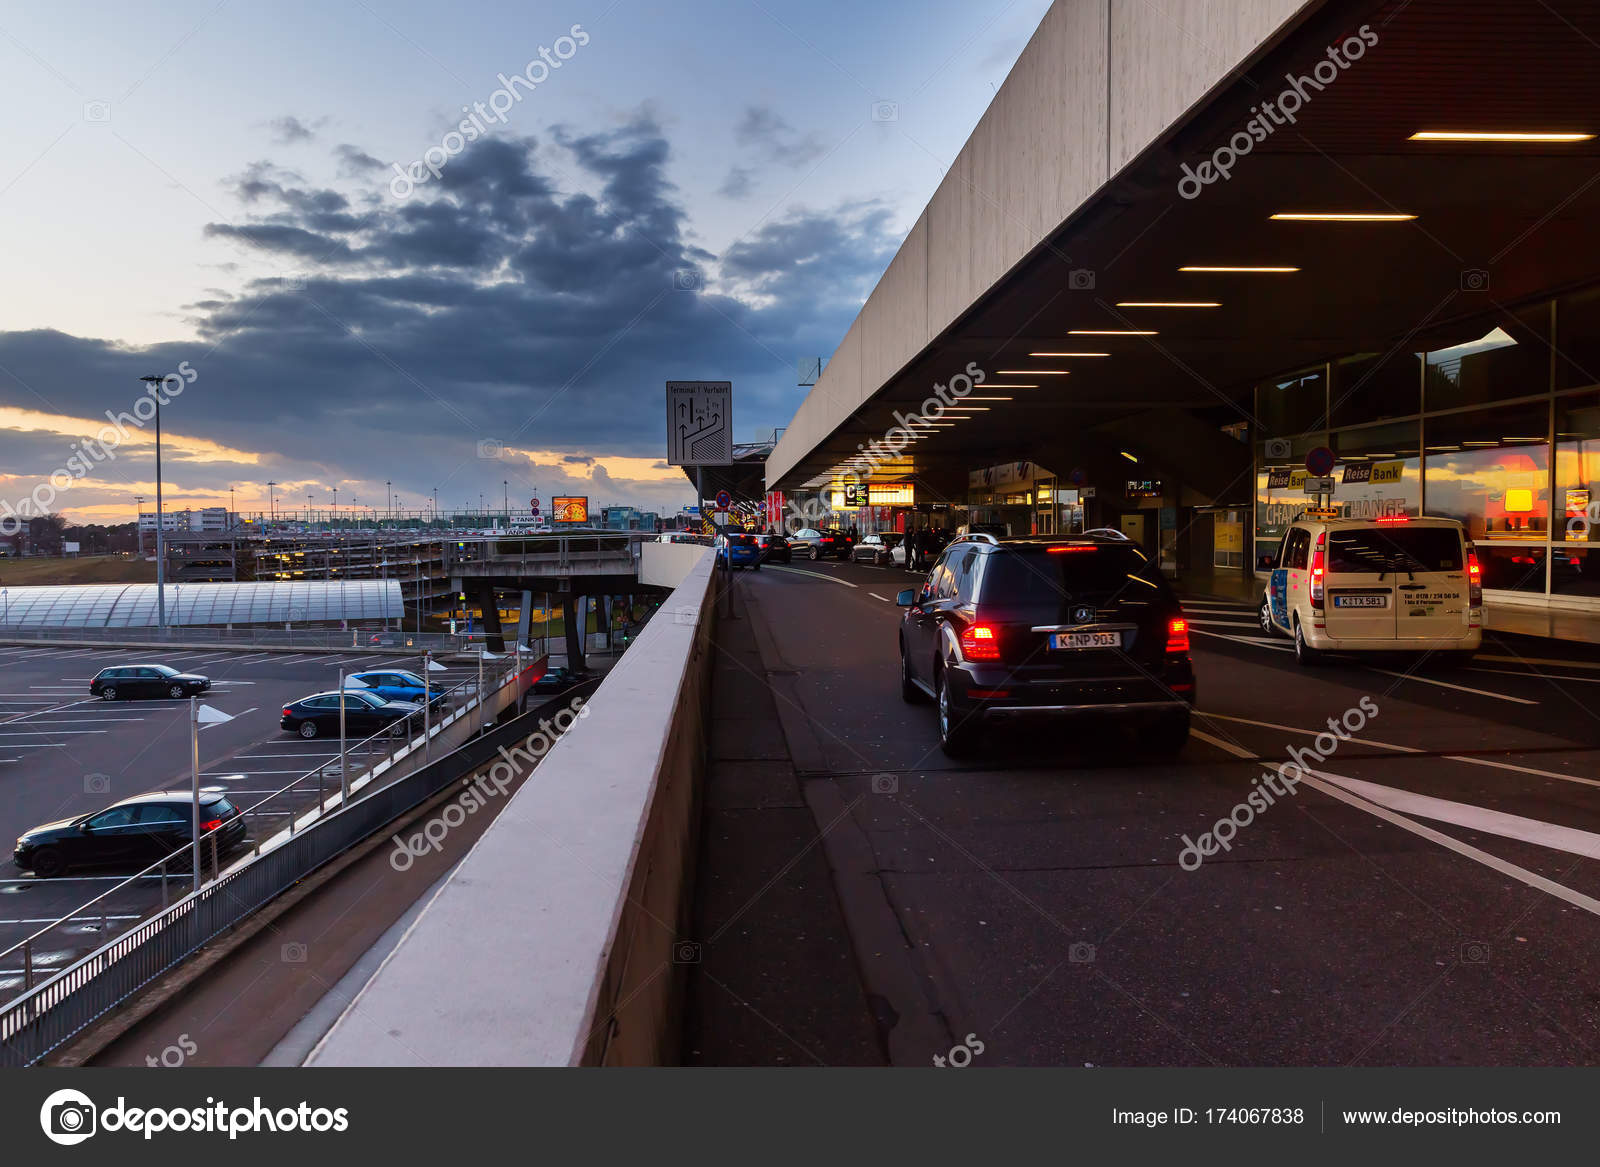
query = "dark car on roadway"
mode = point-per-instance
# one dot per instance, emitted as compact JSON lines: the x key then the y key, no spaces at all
{"x":1036,"y":630}
{"x":132,"y":833}
{"x":122,"y":682}
{"x":557,"y":679}
{"x":774,"y":549}
{"x":364,"y":714}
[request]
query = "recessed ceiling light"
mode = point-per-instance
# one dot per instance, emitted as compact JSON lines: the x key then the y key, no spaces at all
{"x":1111,"y":332}
{"x":1128,"y":456}
{"x":1496,"y":136}
{"x":1262,"y":269}
{"x":1030,"y":373}
{"x":1010,"y":386}
{"x":988,"y":399}
{"x":1168,"y":304}
{"x":1343,"y":217}
{"x":1480,"y":443}
{"x":972,"y":408}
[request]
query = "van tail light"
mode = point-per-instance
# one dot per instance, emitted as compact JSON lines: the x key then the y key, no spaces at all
{"x":1177,"y":635}
{"x":1318,"y":559}
{"x":1474,"y":579}
{"x":980,"y":642}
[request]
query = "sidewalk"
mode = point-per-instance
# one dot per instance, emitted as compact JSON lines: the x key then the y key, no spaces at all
{"x":776,"y":983}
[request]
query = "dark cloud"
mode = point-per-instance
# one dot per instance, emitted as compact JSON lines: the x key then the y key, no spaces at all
{"x":355,"y":162}
{"x":288,"y":130}
{"x":764,"y":130}
{"x":738,"y":184}
{"x":401,"y":340}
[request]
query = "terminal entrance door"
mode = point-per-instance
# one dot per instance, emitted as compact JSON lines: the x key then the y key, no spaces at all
{"x":1044,"y":507}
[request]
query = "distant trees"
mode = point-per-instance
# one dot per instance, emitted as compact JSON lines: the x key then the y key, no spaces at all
{"x":48,"y":534}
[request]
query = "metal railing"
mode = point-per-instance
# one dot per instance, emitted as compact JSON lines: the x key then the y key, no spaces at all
{"x":46,"y":1014}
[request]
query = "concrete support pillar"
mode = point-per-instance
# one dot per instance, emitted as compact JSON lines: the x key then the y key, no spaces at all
{"x":525,"y":619}
{"x":573,"y":616}
{"x":483,"y":596}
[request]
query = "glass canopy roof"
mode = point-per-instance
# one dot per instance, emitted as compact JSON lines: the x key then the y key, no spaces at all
{"x":134,"y":605}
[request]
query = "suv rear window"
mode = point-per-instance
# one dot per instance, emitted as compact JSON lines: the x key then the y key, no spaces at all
{"x":1037,"y":578}
{"x":1391,"y":549}
{"x":221,"y":806}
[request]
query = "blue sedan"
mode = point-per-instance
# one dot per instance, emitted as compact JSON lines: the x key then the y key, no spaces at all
{"x":738,"y":551}
{"x":392,"y":685}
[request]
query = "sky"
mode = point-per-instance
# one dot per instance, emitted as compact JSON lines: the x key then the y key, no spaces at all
{"x":370,"y":264}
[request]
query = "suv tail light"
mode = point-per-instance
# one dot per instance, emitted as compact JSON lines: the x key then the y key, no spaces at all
{"x":1474,"y":578}
{"x":980,"y":642}
{"x":1177,"y":635}
{"x":210,"y":826}
{"x":1318,"y":557}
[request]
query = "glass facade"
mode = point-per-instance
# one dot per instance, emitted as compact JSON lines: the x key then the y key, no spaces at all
{"x":1497,"y":426}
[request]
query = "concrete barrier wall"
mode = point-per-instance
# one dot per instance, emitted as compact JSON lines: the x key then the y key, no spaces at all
{"x":552,"y":943}
{"x":666,"y":565}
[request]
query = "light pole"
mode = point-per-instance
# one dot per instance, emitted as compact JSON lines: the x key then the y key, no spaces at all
{"x":333,"y":522}
{"x":505,"y":490}
{"x":389,"y":487}
{"x":138,"y":528}
{"x":272,"y":504}
{"x":161,"y":545}
{"x":436,"y":504}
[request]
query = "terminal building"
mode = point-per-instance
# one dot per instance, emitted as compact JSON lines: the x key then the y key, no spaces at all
{"x":1188,"y":243}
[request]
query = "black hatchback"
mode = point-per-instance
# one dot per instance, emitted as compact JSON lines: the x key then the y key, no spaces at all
{"x":133,"y":833}
{"x":1045,"y":629}
{"x":125,"y":681}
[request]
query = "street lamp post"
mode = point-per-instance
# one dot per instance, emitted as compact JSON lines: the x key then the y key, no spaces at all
{"x":161,"y":546}
{"x":272,"y":504}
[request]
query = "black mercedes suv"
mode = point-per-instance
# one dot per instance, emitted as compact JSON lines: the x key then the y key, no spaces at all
{"x":1044,"y":629}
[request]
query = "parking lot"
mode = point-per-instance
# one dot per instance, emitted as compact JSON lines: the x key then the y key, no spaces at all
{"x":64,"y":753}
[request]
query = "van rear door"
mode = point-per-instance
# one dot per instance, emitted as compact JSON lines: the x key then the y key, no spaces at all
{"x":1360,"y":583}
{"x":1421,"y":567}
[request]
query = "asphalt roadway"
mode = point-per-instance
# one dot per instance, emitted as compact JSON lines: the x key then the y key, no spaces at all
{"x":1429,"y":895}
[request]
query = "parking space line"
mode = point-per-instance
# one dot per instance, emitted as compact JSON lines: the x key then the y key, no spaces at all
{"x":1256,"y":641}
{"x":814,"y":575}
{"x":1537,"y":675}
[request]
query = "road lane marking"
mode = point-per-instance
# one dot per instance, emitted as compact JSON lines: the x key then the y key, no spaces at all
{"x":1537,"y":660}
{"x":1225,"y":623}
{"x":1365,"y":741}
{"x":815,"y":575}
{"x":1225,"y":746}
{"x":1560,"y":891}
{"x":1257,"y":641}
{"x":1448,"y":685}
{"x":1537,"y":676}
{"x":1474,"y":818}
{"x":876,"y":596}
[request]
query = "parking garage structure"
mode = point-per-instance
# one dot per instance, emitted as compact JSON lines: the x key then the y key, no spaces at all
{"x":1187,"y":247}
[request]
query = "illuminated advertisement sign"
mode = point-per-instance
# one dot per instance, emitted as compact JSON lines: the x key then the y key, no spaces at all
{"x":570,"y":510}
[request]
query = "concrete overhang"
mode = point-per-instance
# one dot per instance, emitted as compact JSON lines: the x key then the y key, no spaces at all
{"x":1522,"y":213}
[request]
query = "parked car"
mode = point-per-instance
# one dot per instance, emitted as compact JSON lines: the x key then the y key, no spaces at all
{"x":774,"y":549}
{"x":1386,"y":584}
{"x":364,"y":714}
{"x":738,"y":551}
{"x":557,"y":679}
{"x":884,"y":550}
{"x":1007,"y":631}
{"x":134,"y":832}
{"x":124,"y":682}
{"x":395,"y":685}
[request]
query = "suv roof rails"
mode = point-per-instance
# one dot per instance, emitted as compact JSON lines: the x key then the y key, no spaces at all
{"x":977,"y":537}
{"x":1108,"y":533}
